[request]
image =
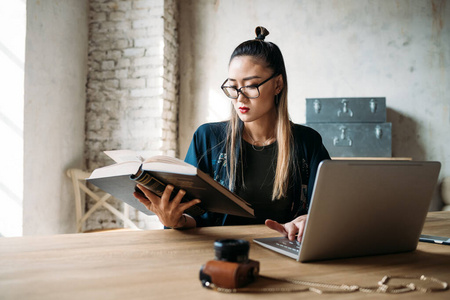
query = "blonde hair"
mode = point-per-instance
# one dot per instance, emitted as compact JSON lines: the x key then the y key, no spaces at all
{"x":270,"y":55}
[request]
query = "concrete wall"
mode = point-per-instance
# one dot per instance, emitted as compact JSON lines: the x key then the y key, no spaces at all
{"x":347,"y":48}
{"x":55,"y":97}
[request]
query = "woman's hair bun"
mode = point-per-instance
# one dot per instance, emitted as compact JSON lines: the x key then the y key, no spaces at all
{"x":261,"y":33}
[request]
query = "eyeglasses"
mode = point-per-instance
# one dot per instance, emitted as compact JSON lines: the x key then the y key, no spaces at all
{"x":250,"y":91}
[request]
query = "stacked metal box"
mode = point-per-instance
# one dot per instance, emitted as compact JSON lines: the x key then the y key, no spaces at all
{"x":351,"y":127}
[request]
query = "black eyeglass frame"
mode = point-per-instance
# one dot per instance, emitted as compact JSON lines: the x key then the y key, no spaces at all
{"x":239,"y":90}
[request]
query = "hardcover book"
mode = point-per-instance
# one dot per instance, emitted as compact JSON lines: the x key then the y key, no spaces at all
{"x":121,"y":178}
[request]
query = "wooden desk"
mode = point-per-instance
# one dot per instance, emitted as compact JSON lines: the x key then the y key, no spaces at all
{"x":164,"y":264}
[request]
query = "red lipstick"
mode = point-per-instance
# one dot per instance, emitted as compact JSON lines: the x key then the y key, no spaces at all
{"x":243,"y":109}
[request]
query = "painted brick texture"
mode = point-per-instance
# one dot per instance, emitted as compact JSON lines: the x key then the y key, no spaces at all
{"x":132,"y":86}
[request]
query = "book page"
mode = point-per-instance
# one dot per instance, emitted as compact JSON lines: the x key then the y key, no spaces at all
{"x":119,"y":169}
{"x":166,"y":160}
{"x":120,"y":156}
{"x":163,"y":166}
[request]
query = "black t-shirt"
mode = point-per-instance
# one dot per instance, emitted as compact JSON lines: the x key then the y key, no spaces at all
{"x":254,"y":183}
{"x":208,"y":152}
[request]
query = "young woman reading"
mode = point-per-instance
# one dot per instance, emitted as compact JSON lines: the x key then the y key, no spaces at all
{"x":259,"y":153}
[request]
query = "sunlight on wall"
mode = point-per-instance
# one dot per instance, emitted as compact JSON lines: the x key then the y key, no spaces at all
{"x":219,"y":108}
{"x":12,"y":56}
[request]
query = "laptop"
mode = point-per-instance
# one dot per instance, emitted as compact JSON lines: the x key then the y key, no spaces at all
{"x":361,"y":208}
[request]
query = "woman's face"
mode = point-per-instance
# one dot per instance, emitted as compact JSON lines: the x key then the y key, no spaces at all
{"x":246,"y":71}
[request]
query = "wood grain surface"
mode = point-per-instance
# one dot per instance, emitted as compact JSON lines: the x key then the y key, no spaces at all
{"x":165,"y":264}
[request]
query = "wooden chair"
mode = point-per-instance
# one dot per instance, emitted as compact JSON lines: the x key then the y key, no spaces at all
{"x":81,"y":189}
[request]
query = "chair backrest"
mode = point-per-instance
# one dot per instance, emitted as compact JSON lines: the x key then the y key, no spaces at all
{"x":81,"y":189}
{"x":78,"y":176}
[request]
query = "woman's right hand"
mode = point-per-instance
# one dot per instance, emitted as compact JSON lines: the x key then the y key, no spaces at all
{"x":290,"y":229}
{"x":170,"y":213}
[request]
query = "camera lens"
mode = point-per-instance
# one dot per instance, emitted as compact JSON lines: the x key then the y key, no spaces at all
{"x":231,"y":250}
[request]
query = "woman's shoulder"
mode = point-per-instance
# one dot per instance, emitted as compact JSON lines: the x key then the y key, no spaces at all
{"x":214,"y":129}
{"x":304,"y":132}
{"x":310,"y":141}
{"x":212,"y":126}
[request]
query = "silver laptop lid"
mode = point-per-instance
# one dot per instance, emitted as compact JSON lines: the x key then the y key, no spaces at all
{"x":367,"y":208}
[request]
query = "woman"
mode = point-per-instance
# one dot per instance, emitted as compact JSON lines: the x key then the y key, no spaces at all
{"x":259,"y":153}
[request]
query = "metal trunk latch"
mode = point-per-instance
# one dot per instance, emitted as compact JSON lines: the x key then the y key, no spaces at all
{"x":343,"y":140}
{"x":317,"y":106}
{"x":345,"y":111}
{"x":378,"y":132}
{"x":373,"y":105}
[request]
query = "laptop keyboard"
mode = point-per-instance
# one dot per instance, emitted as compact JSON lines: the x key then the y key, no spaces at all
{"x":291,"y":246}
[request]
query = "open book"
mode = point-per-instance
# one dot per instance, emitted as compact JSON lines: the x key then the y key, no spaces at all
{"x":155,"y":173}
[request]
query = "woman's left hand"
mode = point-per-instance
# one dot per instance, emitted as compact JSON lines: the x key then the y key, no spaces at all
{"x":290,"y":229}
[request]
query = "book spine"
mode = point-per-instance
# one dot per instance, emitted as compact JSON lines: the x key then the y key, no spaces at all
{"x":150,"y":182}
{"x":157,"y":187}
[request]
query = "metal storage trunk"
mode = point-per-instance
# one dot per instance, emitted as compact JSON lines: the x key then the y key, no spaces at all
{"x":351,"y":127}
{"x":356,"y":139}
{"x":349,"y":110}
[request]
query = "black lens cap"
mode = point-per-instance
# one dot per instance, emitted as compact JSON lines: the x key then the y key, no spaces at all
{"x":232,"y":250}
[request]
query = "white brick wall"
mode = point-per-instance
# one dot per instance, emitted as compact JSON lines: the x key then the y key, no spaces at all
{"x":170,"y":79}
{"x":132,"y":89}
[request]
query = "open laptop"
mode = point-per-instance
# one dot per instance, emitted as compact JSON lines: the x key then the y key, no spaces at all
{"x":361,"y":208}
